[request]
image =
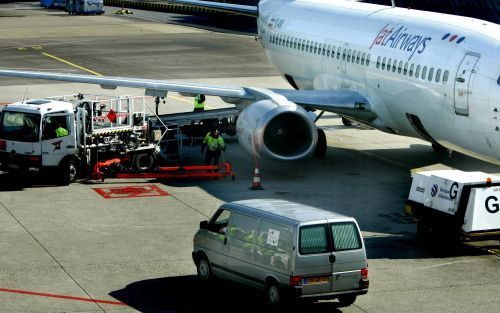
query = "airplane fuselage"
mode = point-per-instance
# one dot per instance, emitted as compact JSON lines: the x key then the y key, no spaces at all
{"x":427,"y":75}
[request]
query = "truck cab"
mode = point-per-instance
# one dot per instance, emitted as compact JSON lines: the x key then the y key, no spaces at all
{"x":38,"y":135}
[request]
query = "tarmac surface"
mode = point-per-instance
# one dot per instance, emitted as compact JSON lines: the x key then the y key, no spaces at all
{"x":68,"y":249}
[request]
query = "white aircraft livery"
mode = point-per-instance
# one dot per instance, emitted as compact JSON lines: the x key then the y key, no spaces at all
{"x":413,"y":73}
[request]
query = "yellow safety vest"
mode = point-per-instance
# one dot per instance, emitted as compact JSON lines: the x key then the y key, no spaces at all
{"x":61,"y":132}
{"x":214,"y":144}
{"x":198,"y":104}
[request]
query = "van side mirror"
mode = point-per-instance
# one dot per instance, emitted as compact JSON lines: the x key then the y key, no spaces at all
{"x":203,"y":224}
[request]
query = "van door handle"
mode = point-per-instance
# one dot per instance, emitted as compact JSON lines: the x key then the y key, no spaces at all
{"x":332,"y":258}
{"x":225,"y":240}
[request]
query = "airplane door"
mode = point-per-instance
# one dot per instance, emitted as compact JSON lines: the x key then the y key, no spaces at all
{"x":463,"y":83}
{"x":343,"y":61}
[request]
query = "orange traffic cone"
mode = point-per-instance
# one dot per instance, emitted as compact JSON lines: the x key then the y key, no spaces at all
{"x":256,"y":185}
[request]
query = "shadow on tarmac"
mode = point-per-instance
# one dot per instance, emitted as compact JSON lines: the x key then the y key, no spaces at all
{"x":176,"y":294}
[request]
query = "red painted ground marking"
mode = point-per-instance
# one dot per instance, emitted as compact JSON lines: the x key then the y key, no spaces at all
{"x":131,"y":192}
{"x":50,"y":295}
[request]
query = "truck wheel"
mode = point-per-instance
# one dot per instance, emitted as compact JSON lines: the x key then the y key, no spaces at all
{"x":320,"y":149}
{"x":203,"y":269}
{"x":273,"y":294}
{"x":69,"y":171}
{"x":424,"y":230}
{"x":346,"y":300}
{"x":144,"y":161}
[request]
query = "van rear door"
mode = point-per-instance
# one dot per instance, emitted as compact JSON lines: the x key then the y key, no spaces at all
{"x":349,"y":255}
{"x":312,"y":262}
{"x":330,"y":258}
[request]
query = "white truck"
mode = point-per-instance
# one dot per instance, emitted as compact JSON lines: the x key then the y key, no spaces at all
{"x":93,"y":130}
{"x":453,"y":206}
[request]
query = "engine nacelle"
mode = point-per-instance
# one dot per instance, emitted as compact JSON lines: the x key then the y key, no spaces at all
{"x":284,"y":132}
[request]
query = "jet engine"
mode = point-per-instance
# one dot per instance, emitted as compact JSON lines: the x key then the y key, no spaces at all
{"x":283,"y":131}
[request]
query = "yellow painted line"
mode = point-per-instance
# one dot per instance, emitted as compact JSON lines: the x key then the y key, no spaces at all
{"x":69,"y":63}
{"x":37,"y":48}
{"x":184,"y":100}
{"x":180,"y":99}
{"x":22,"y":49}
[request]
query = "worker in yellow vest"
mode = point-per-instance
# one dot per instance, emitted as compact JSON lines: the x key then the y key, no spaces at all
{"x":215,"y":144}
{"x":199,"y":103}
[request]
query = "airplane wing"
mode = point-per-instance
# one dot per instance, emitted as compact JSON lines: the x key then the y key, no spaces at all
{"x":247,"y":10}
{"x":344,"y":102}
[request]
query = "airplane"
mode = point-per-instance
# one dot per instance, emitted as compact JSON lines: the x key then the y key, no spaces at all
{"x":413,"y":73}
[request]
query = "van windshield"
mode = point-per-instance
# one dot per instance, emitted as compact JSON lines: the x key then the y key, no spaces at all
{"x":323,"y":238}
{"x":20,"y":126}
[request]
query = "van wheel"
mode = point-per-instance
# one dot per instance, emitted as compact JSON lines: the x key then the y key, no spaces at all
{"x":203,"y":269}
{"x":273,"y":294}
{"x":346,"y":300}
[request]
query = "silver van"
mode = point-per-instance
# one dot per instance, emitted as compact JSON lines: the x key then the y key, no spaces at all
{"x":287,"y":249}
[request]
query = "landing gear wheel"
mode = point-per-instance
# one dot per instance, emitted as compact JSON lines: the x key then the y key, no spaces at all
{"x":439,"y":148}
{"x":204,"y":270}
{"x":346,"y":300}
{"x":320,"y":150}
{"x":273,"y":294}
{"x":346,"y":122}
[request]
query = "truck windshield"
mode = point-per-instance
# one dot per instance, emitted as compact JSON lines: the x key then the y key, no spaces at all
{"x":20,"y":126}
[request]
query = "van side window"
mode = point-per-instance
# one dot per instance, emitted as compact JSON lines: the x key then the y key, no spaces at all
{"x":345,"y":237}
{"x":218,"y":223}
{"x":243,"y":227}
{"x":313,"y":239}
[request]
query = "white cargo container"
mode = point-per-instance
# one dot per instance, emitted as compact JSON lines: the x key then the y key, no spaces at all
{"x":452,"y":204}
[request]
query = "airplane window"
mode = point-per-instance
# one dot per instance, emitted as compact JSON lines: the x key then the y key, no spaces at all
{"x":498,"y":81}
{"x":295,"y":43}
{"x":389,"y":62}
{"x":333,"y":51}
{"x":287,"y":43}
{"x":394,"y":66}
{"x":311,"y":47}
{"x":438,"y":75}
{"x":358,"y":58}
{"x":349,"y":55}
{"x":324,"y":49}
{"x":363,"y":58}
{"x":431,"y":74}
{"x":368,"y":59}
{"x":383,"y":63}
{"x":339,"y":49}
{"x":405,"y":70}
{"x":424,"y":72}
{"x":417,"y":71}
{"x":411,"y":69}
{"x":316,"y":48}
{"x":353,"y":56}
{"x":445,"y":77}
{"x":400,"y":67}
{"x":307,"y":46}
{"x":328,"y":50}
{"x":343,"y":54}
